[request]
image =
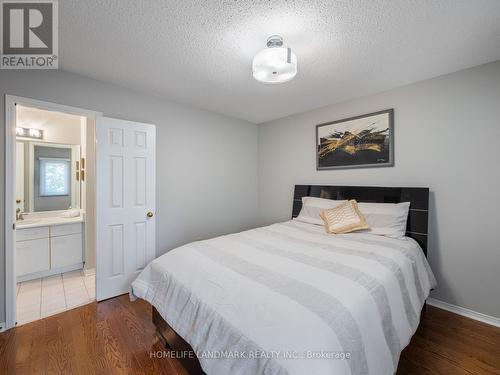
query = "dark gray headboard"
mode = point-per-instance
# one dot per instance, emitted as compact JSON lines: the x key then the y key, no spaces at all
{"x":417,"y":225}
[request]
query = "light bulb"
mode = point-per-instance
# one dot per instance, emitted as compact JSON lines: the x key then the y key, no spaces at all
{"x":35,"y":133}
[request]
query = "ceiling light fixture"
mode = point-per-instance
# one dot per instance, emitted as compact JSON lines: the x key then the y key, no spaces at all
{"x":275,"y":64}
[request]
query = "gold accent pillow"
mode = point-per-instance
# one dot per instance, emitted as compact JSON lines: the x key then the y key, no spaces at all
{"x":344,"y":218}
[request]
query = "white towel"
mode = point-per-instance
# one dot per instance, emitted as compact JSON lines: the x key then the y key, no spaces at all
{"x":71,"y":213}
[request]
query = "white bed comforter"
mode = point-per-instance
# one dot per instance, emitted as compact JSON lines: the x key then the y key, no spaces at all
{"x":291,"y":299}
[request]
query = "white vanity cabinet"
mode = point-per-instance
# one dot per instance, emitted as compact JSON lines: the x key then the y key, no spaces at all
{"x":32,"y":250}
{"x":47,"y":250}
{"x":66,"y":250}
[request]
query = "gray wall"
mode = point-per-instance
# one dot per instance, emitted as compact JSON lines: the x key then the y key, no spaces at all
{"x":447,"y":137}
{"x":206,"y":163}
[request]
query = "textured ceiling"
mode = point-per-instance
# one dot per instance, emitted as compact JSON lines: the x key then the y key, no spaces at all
{"x":200,"y":52}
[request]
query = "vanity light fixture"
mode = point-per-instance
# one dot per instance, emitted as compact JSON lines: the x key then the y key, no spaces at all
{"x":29,"y":133}
{"x":275,"y":64}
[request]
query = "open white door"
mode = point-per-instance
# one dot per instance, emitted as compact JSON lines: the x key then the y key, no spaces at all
{"x":125,"y":203}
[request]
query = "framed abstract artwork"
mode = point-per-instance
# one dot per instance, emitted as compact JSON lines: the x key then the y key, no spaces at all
{"x":356,"y":142}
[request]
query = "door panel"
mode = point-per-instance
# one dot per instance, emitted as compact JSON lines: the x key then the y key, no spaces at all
{"x":140,"y":181}
{"x":125,"y":164}
{"x":141,"y":245}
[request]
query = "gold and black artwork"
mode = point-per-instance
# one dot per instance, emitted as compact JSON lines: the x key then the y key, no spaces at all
{"x":361,"y":141}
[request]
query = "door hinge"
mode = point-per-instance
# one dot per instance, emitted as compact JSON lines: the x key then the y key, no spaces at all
{"x":14,"y":226}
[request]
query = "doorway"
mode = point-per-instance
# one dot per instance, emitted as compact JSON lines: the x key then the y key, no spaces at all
{"x":50,"y":206}
{"x":120,"y":211}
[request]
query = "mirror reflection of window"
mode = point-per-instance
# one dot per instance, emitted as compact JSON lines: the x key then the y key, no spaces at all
{"x":46,"y":176}
{"x":54,"y":177}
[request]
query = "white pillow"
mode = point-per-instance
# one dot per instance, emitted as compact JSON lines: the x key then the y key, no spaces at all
{"x":312,"y":207}
{"x":386,"y":219}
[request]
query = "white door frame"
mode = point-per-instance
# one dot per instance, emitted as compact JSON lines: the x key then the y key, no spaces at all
{"x":10,"y":186}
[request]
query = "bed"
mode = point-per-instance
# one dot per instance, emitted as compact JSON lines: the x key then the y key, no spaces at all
{"x":290,"y":299}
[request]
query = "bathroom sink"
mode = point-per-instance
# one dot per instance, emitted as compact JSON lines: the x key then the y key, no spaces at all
{"x":27,"y":221}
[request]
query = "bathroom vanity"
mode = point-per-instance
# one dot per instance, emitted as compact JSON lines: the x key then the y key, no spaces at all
{"x":48,"y":245}
{"x":51,"y":226}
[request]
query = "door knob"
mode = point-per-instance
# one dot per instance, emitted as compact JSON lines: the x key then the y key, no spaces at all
{"x":149,"y":214}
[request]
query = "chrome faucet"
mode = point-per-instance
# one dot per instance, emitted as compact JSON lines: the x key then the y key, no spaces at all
{"x":19,"y":214}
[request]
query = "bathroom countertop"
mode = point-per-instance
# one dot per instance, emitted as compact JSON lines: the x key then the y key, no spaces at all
{"x":46,"y":221}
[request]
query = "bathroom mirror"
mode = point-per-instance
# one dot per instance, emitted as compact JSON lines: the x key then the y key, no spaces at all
{"x":47,"y":176}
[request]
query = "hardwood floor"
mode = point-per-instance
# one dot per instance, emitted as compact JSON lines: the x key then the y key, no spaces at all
{"x":113,"y":337}
{"x":117,"y":336}
{"x":447,"y":343}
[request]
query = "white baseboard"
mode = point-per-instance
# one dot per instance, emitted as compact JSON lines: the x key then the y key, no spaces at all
{"x":89,"y":271}
{"x":494,"y":321}
{"x":52,"y":271}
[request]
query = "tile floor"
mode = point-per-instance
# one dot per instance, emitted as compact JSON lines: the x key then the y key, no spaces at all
{"x":39,"y":298}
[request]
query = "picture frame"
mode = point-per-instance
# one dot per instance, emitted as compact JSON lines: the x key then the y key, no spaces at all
{"x":363,"y":141}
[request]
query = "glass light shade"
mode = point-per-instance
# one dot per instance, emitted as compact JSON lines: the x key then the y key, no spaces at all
{"x":274,"y":65}
{"x":35,"y":133}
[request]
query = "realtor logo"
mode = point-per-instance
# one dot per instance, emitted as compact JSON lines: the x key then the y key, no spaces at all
{"x":29,"y":37}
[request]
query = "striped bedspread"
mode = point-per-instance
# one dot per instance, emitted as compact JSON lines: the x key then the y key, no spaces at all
{"x":291,"y":299}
